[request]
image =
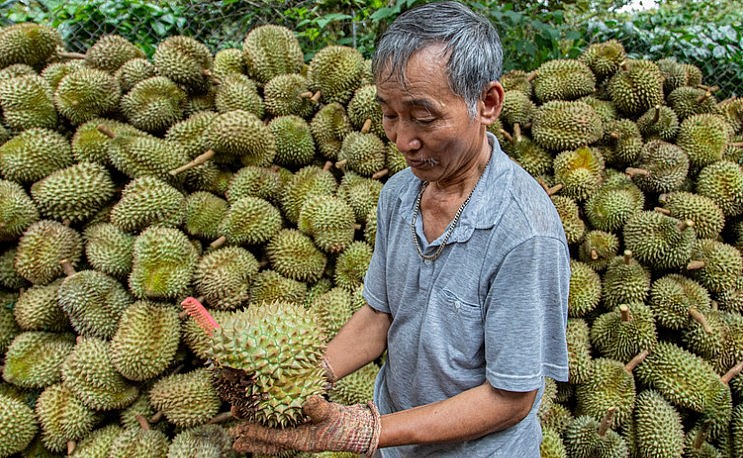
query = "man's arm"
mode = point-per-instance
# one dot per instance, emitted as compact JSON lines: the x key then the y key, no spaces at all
{"x":361,"y":340}
{"x":469,"y":415}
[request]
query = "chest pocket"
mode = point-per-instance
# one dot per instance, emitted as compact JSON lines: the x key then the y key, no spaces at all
{"x":467,"y":324}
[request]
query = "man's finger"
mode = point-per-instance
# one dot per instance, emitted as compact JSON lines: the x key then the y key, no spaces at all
{"x":317,"y":409}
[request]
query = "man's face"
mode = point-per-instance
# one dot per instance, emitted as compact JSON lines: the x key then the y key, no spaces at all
{"x":428,"y":123}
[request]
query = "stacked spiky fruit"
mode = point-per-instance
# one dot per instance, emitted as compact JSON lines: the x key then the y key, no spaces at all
{"x":249,"y":178}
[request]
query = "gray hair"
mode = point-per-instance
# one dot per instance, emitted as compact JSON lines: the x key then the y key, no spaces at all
{"x":470,"y":41}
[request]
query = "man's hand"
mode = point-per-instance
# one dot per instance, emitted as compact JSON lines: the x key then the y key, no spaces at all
{"x":331,"y":427}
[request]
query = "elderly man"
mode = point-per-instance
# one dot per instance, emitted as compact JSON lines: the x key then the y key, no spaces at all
{"x":468,"y":285}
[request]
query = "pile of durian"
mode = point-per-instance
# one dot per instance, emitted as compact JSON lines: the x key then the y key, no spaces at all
{"x":248,"y":178}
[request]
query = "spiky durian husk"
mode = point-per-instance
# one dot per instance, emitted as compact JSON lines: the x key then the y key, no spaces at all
{"x":636,"y":87}
{"x":307,"y":182}
{"x":360,"y":193}
{"x":288,"y":94}
{"x":97,"y":443}
{"x":238,"y":92}
{"x":250,"y":220}
{"x":336,"y":71}
{"x":184,"y":60}
{"x":27,"y":43}
{"x":203,"y":214}
{"x":585,"y":289}
{"x":722,"y":265}
{"x":190,"y":133}
{"x":552,"y":445}
{"x":707,"y":217}
{"x":146,"y":340}
{"x":137,"y":441}
{"x":86,"y":94}
{"x":704,"y":137}
{"x":351,"y":265}
{"x":365,"y":154}
{"x":722,"y":182}
{"x":91,"y":145}
{"x":269,"y":286}
{"x":609,"y":208}
{"x":563,"y":79}
{"x":41,"y":248}
{"x":687,"y":101}
{"x":241,"y":135}
{"x":108,"y":249}
{"x":279,"y":347}
{"x":18,"y":425}
{"x":364,"y":107}
{"x":583,"y":441}
{"x":658,"y":122}
{"x":597,"y":249}
{"x":333,"y":309}
{"x":162,"y":264}
{"x":604,"y":58}
{"x":9,"y":328}
{"x":207,"y":441}
{"x":154,"y":104}
{"x":228,"y":61}
{"x":110,"y":52}
{"x":621,"y":340}
{"x":188,"y":399}
{"x":55,"y":71}
{"x":658,"y":430}
{"x":329,"y":126}
{"x":659,"y":241}
{"x":251,"y":181}
{"x":223,"y":277}
{"x":357,"y":387}
{"x":34,"y":358}
{"x":63,"y":417}
{"x":329,"y":220}
{"x":271,"y":50}
{"x":625,"y":281}
{"x":671,"y":298}
{"x":294,"y":255}
{"x":148,"y":201}
{"x":37,"y":309}
{"x":579,"y":351}
{"x":17,"y":210}
{"x":563,"y":125}
{"x":33,"y":154}
{"x":27,"y":102}
{"x":143,"y":155}
{"x":569,"y":212}
{"x":295,"y":146}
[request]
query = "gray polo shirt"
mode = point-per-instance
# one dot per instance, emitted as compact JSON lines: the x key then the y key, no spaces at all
{"x":492,"y":307}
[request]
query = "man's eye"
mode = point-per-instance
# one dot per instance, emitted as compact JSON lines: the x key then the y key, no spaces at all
{"x":424,"y":120}
{"x":388,"y":116}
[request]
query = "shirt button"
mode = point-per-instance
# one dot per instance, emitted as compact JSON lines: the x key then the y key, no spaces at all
{"x":457,"y":304}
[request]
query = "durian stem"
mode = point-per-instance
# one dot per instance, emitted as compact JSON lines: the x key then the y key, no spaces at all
{"x":633,"y":171}
{"x":142,"y":422}
{"x":263,"y":263}
{"x":662,"y":210}
{"x":695,"y":265}
{"x":71,"y":55}
{"x":71,"y":446}
{"x":554,"y":189}
{"x":507,"y":136}
{"x":218,"y":243}
{"x":697,"y":316}
{"x":357,"y":227}
{"x":627,"y":256}
{"x":198,"y":160}
{"x":704,"y":97}
{"x":328,"y":165}
{"x":685,"y":224}
{"x":594,"y":254}
{"x":708,"y":88}
{"x":306,"y":95}
{"x":221,"y":418}
{"x":106,"y":131}
{"x":656,"y":114}
{"x":634,"y":362}
{"x":183,"y":315}
{"x":700,"y":437}
{"x":366,"y":127}
{"x":530,"y":77}
{"x":715,"y":306}
{"x":316,"y":98}
{"x":615,"y":135}
{"x":341,"y":165}
{"x":78,"y":339}
{"x":624,"y":314}
{"x":516,"y":132}
{"x":624,"y":65}
{"x":380,"y":174}
{"x":736,"y":144}
{"x":734,"y":371}
{"x":606,"y":421}
{"x":157,"y":417}
{"x":67,"y":267}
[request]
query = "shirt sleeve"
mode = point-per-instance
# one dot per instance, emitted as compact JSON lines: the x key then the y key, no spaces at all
{"x":526,"y":316}
{"x":375,"y":284}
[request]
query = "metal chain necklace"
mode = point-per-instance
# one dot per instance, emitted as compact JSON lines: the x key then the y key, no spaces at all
{"x":449,"y":229}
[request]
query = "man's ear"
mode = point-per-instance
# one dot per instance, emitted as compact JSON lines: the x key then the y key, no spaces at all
{"x":491,"y":103}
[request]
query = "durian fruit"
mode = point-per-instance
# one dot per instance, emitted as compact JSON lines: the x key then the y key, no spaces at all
{"x":262,"y":182}
{"x":249,"y":220}
{"x":636,"y":87}
{"x":357,"y":387}
{"x":579,"y":351}
{"x":185,"y":61}
{"x":662,"y":167}
{"x":604,"y":58}
{"x":75,"y":193}
{"x":707,"y":217}
{"x":189,"y":133}
{"x":657,"y":427}
{"x":37,"y":309}
{"x":351,"y":265}
{"x":18,"y":425}
{"x":736,"y":428}
{"x":329,"y":126}
{"x":109,"y":53}
{"x":597,"y":249}
{"x":624,"y":332}
{"x":146,"y":201}
{"x":307,"y":182}
{"x":294,"y":255}
{"x":605,"y":108}
{"x":141,"y":406}
{"x":228,"y":61}
{"x":565,"y":125}
{"x":336,"y":71}
{"x":55,"y":71}
{"x":624,"y":142}
{"x":238,"y":92}
{"x":203,"y":214}
{"x":552,"y":445}
{"x":12,"y":71}
{"x":154,"y":104}
{"x":329,"y":220}
{"x":295,"y":146}
{"x":732,"y":110}
{"x":146,"y":340}
{"x":625,"y":281}
{"x":10,"y":279}
{"x":269,"y":286}
{"x":528,"y":154}
{"x":63,"y":417}
{"x":557,"y":418}
{"x":27,"y":102}
{"x":108,"y":249}
{"x":289,"y":94}
{"x":138,"y":155}
{"x":87,"y":372}
{"x":186,"y":400}
{"x":569,"y":212}
{"x":360,"y":193}
{"x":394,"y":160}
{"x":659,"y":241}
{"x":674,"y":74}
{"x":9,"y":328}
{"x":364,"y":111}
{"x":688,"y":101}
{"x":93,"y":302}
{"x":333,"y":309}
{"x":279,"y":346}
{"x":223,"y":276}
{"x":585,"y":289}
{"x":91,"y":145}
{"x":86,"y":94}
{"x":17,"y":210}
{"x":722,"y":182}
{"x":518,"y":80}
{"x":676,"y":299}
{"x":41,"y":249}
{"x":140,"y":441}
{"x":659,"y":122}
{"x":34,"y":358}
{"x":587,"y":438}
{"x":715,"y":265}
{"x":706,"y":339}
{"x":196,"y":339}
{"x":241,"y":135}
{"x":364,"y":153}
{"x":33,"y":154}
{"x":563,"y":79}
{"x":611,"y":385}
{"x":132,"y":72}
{"x":162,"y":264}
{"x":206,"y":441}
{"x":703,"y":138}
{"x":609,"y":208}
{"x":27,"y":43}
{"x":271,"y":50}
{"x":98,"y":442}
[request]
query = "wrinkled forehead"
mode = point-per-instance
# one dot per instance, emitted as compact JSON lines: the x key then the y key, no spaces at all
{"x":404,"y":68}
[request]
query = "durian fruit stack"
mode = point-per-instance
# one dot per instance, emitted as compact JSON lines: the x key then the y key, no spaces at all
{"x":248,"y":178}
